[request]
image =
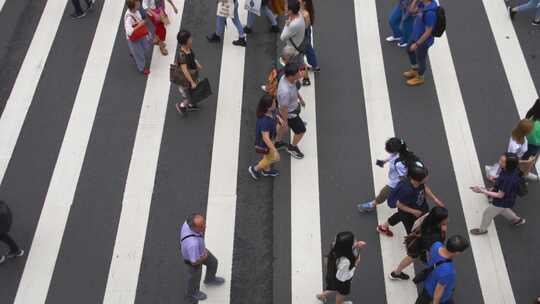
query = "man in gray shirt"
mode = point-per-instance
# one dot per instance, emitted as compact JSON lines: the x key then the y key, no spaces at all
{"x":290,"y":102}
{"x":195,"y":255}
{"x":295,"y":26}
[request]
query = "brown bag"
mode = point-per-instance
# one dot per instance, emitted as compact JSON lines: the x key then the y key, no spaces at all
{"x":277,"y":7}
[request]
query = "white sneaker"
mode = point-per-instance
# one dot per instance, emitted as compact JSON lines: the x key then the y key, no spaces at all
{"x":392,"y":38}
{"x":402,"y":44}
{"x":348,"y":302}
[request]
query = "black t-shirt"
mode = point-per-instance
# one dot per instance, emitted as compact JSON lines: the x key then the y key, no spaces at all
{"x":413,"y":197}
{"x":187,"y":58}
{"x":507,"y":182}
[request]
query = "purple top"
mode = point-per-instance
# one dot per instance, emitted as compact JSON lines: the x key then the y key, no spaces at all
{"x":192,"y":247}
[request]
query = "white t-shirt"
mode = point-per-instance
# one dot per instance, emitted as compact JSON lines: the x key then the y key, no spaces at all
{"x":515,"y":147}
{"x":395,"y":170}
{"x":343,"y":272}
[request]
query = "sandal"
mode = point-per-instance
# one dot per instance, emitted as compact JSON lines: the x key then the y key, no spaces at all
{"x":321,"y":298}
{"x":478,"y":231}
{"x":163,"y":50}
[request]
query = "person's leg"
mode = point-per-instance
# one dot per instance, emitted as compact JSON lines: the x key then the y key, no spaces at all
{"x":406,"y":29}
{"x":13,"y":247}
{"x":394,"y":21}
{"x":393,"y":220}
{"x":423,"y":298}
{"x":211,"y":267}
{"x":137,"y":50}
{"x":250,"y":20}
{"x":265,"y":163}
{"x":339,"y":298}
{"x":537,"y":15}
{"x":237,"y":22}
{"x":297,"y":138}
{"x":77,"y":7}
{"x":412,"y":58}
{"x":526,"y":6}
{"x":220,"y":25}
{"x":489,"y":214}
{"x":510,"y":215}
{"x":383,"y":195}
{"x":311,"y":57}
{"x":269,"y":14}
{"x":193,"y":278}
{"x":421,"y":56}
{"x":405,"y":262}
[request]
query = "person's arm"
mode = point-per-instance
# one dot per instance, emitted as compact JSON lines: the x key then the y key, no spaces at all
{"x":429,"y":24}
{"x":493,"y":194}
{"x":173,"y":6}
{"x":284,"y":111}
{"x":187,"y":75}
{"x":270,"y":144}
{"x":301,"y":100}
{"x":432,"y":196}
{"x":408,"y":209}
{"x":439,"y":291}
{"x":413,"y":7}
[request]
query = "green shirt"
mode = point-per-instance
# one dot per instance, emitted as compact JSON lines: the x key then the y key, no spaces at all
{"x":534,"y":137}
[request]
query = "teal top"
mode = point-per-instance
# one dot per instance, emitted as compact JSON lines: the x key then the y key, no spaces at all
{"x":534,"y":137}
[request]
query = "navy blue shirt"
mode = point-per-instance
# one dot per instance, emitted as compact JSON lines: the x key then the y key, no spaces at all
{"x":413,"y":197}
{"x":265,"y":124}
{"x":507,"y":182}
{"x":425,"y":17}
{"x":444,"y":274}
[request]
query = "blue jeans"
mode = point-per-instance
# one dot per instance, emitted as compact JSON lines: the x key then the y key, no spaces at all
{"x":395,"y":21}
{"x":266,"y":11}
{"x":310,"y":51}
{"x":418,"y":58}
{"x":406,"y":28}
{"x":530,"y":5}
{"x":138,"y":50}
{"x":221,"y":21}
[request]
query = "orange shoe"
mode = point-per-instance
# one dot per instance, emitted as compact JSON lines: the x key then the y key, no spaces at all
{"x":410,"y":74}
{"x":418,"y":80}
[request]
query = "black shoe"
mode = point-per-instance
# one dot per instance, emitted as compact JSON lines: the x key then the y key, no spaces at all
{"x":306,"y":82}
{"x":181,"y":109}
{"x":90,"y":4}
{"x":15,"y":254}
{"x":240,"y":42}
{"x":535,"y":22}
{"x":192,"y":108}
{"x":213,"y":38}
{"x":254,"y":174}
{"x":280,"y":145}
{"x":398,"y":276}
{"x":77,"y":16}
{"x":247,"y":30}
{"x":511,"y":13}
{"x":274,"y":29}
{"x":295,"y":152}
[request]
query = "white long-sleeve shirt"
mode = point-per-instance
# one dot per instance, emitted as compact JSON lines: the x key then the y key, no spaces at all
{"x":130,"y":20}
{"x":343,"y":272}
{"x":295,"y":31}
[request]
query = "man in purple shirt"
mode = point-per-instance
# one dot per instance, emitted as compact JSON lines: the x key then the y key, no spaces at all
{"x":195,"y":255}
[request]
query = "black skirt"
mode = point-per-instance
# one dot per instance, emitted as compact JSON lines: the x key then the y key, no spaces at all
{"x":344,"y":288}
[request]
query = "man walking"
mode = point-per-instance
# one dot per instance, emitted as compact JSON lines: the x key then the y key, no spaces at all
{"x":440,"y":283}
{"x":79,"y":13}
{"x":294,"y":30}
{"x":289,"y":101}
{"x":195,"y":255}
{"x":220,"y":27}
{"x":5,"y":226}
{"x":421,"y":40}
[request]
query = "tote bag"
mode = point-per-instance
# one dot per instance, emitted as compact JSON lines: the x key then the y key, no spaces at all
{"x":225,"y":8}
{"x":201,"y":91}
{"x":253,"y":6}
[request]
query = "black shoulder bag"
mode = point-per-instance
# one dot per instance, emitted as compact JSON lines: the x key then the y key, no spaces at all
{"x":422,"y":275}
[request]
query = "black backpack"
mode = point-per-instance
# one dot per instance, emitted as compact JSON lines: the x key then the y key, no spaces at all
{"x":5,"y":218}
{"x":440,"y":23}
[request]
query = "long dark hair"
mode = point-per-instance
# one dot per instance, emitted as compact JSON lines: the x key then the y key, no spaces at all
{"x":343,"y":248}
{"x":309,"y":7}
{"x":534,"y":111}
{"x":512,"y":162}
{"x":432,"y":222}
{"x":265,"y":103}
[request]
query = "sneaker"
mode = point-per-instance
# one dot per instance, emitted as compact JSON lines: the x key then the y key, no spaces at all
{"x":511,"y":12}
{"x":2,"y":259}
{"x":392,"y":38}
{"x":366,"y":207}
{"x":15,"y":254}
{"x":78,"y":16}
{"x":146,"y":71}
{"x":410,"y":74}
{"x":418,"y":80}
{"x":274,"y":29}
{"x":295,"y":152}
{"x":280,"y":145}
{"x":199,"y":296}
{"x":317,"y":69}
{"x":271,"y":172}
{"x":398,"y":276}
{"x":213,"y":38}
{"x":247,"y":30}
{"x":402,"y":44}
{"x":478,"y":231}
{"x":240,"y":42}
{"x":536,"y":22}
{"x":519,"y":222}
{"x":215,"y":281}
{"x":181,"y":109}
{"x":254,"y":174}
{"x":385,"y":231}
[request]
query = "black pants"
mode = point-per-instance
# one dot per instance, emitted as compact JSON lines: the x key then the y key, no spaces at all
{"x":77,"y":6}
{"x":406,"y":218}
{"x":6,"y":238}
{"x":425,"y":298}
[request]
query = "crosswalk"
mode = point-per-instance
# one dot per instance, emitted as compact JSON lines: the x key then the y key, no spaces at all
{"x":124,"y":248}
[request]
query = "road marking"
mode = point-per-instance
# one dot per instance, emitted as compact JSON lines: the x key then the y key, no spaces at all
{"x":306,"y":257}
{"x":27,"y":80}
{"x":41,"y":260}
{"x":128,"y":247}
{"x":221,"y":208}
{"x":487,"y":253}
{"x":380,"y":128}
{"x":517,"y":72}
{"x":2,"y":2}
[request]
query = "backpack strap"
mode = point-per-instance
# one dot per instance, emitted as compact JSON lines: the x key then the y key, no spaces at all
{"x":188,"y":236}
{"x":439,"y":263}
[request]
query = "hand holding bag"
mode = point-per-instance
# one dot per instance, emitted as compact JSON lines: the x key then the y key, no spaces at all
{"x":253,"y":6}
{"x":225,"y":8}
{"x":201,"y":91}
{"x":139,"y":32}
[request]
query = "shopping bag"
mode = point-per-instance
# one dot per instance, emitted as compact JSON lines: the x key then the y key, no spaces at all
{"x":225,"y":8}
{"x":253,"y":6}
{"x":201,"y":91}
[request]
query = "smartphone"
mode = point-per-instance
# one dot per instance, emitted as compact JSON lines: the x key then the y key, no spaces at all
{"x":379,"y":163}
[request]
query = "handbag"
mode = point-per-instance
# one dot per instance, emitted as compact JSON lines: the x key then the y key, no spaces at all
{"x":253,"y":6}
{"x":201,"y":91}
{"x":225,"y":8}
{"x":138,"y":33}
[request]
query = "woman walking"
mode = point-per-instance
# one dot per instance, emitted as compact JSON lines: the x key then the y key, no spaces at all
{"x":533,"y":139}
{"x":266,"y":130}
{"x":190,"y":69}
{"x":530,"y":5}
{"x":503,"y":193}
{"x":431,"y":228}
{"x":306,"y":7}
{"x":135,"y":26}
{"x":343,"y":259}
{"x":155,"y":9}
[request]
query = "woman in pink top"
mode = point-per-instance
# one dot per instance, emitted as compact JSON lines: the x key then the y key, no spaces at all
{"x":155,"y":10}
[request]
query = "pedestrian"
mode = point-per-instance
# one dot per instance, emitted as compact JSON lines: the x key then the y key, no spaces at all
{"x":410,"y":199}
{"x":79,"y":13}
{"x":440,"y":283}
{"x":342,"y":260}
{"x":135,"y":25}
{"x":277,"y":71}
{"x":432,"y":228}
{"x":5,"y":226}
{"x":265,"y":134}
{"x":421,"y":40}
{"x":190,"y":67}
{"x":397,"y":171}
{"x":533,"y":139}
{"x":220,"y":26}
{"x":155,"y":10}
{"x":293,"y":35}
{"x":308,"y":11}
{"x":503,"y":193}
{"x":265,"y":9}
{"x":401,"y":22}
{"x":195,"y":255}
{"x":290,"y":103}
{"x":530,"y":5}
